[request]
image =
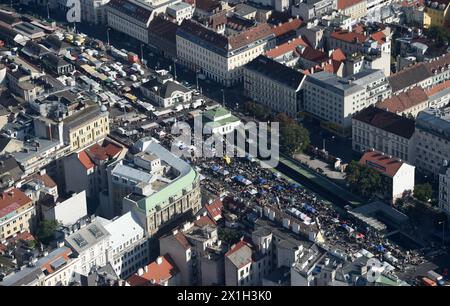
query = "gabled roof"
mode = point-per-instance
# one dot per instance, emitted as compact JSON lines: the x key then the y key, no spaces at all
{"x":103,"y":152}
{"x":85,"y":160}
{"x":437,"y":88}
{"x":381,"y":162}
{"x":350,"y":37}
{"x":214,"y":209}
{"x":204,"y":221}
{"x":181,"y":239}
{"x":387,"y":121}
{"x":289,"y":46}
{"x":338,"y":55}
{"x":290,"y":25}
{"x":404,"y":101}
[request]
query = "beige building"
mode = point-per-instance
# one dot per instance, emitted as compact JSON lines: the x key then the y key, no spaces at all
{"x":164,"y":186}
{"x":221,"y":57}
{"x":17,"y":212}
{"x":356,"y":9}
{"x":383,"y":131}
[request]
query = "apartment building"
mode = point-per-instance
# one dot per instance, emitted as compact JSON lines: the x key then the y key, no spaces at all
{"x":180,"y":11}
{"x":399,"y":174}
{"x":423,"y":74}
{"x":383,"y":131}
{"x":17,"y":213}
{"x":130,"y":17}
{"x":310,"y":9}
{"x":356,"y":9}
{"x":93,"y":11}
{"x":170,"y":187}
{"x":333,"y":100}
{"x":408,"y":103}
{"x":274,"y":85}
{"x":221,"y":57}
{"x":161,"y":272}
{"x":128,"y":244}
{"x":91,"y":244}
{"x":432,"y":140}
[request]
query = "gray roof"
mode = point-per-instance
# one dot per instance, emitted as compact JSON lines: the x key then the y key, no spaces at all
{"x":334,"y":83}
{"x":366,"y":77}
{"x":434,"y":121}
{"x":241,"y":255}
{"x":276,"y":71}
{"x":87,"y":236}
{"x":131,"y":173}
{"x":164,"y":90}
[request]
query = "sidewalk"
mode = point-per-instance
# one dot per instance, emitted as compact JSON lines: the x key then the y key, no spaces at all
{"x":316,"y":163}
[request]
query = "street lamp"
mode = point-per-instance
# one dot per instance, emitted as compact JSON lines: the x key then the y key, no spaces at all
{"x":175,"y":68}
{"x":142,"y":53}
{"x":107,"y":35}
{"x":48,"y":11}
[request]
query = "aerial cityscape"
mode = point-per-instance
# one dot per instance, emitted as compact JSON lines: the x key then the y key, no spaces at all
{"x":244,"y":143}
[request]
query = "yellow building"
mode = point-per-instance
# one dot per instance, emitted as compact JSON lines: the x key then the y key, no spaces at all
{"x":86,"y":127}
{"x":436,"y":13}
{"x":17,"y":212}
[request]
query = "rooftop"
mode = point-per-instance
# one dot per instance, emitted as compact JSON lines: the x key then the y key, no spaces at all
{"x":387,"y":121}
{"x":381,"y":162}
{"x":12,"y":200}
{"x":276,"y":71}
{"x":404,"y":101}
{"x":157,"y":272}
{"x":132,"y":9}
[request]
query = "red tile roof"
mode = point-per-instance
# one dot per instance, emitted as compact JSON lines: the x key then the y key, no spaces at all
{"x":85,"y":160}
{"x":157,"y":273}
{"x":45,"y":178}
{"x":204,"y":221}
{"x":343,"y":4}
{"x":385,"y":164}
{"x":181,"y":238}
{"x":215,"y":209}
{"x":286,"y":47}
{"x":237,"y":247}
{"x":379,"y":36}
{"x":11,"y":200}
{"x":103,"y":152}
{"x":350,"y":37}
{"x":404,"y":101}
{"x":338,"y":55}
{"x":314,"y":55}
{"x":437,"y":88}
{"x":291,"y":25}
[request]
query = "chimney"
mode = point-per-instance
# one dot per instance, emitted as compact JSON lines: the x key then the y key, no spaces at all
{"x":175,"y":231}
{"x":146,"y":269}
{"x":159,"y":260}
{"x":140,"y":272}
{"x":197,"y":218}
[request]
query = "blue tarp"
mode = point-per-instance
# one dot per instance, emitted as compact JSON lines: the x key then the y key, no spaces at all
{"x":239,"y":178}
{"x":215,"y":168}
{"x":261,"y":180}
{"x":295,"y":185}
{"x":380,"y":248}
{"x":279,"y":188}
{"x":309,"y":208}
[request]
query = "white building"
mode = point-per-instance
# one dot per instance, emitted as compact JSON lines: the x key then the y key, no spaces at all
{"x":93,"y":11}
{"x":91,"y":245}
{"x":274,"y":85}
{"x":218,"y":56}
{"x":385,"y":132}
{"x":399,"y":174}
{"x":128,"y":244}
{"x":333,"y":100}
{"x":309,"y":9}
{"x":67,"y":211}
{"x":219,"y":121}
{"x":165,"y":92}
{"x":444,"y":188}
{"x":180,"y":11}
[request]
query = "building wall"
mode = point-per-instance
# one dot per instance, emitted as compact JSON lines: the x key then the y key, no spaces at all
{"x":19,"y":220}
{"x":365,"y":136}
{"x":272,"y":94}
{"x":226,"y":70}
{"x":444,"y":191}
{"x":430,"y":152}
{"x":77,"y":177}
{"x":403,"y":181}
{"x":128,"y":25}
{"x":180,"y":256}
{"x":95,"y":130}
{"x":69,"y":211}
{"x":356,"y":11}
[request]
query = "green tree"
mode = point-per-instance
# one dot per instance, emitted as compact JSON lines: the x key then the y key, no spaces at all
{"x":229,"y":235}
{"x":294,"y":138}
{"x":440,"y":34}
{"x":47,"y":230}
{"x":364,"y":180}
{"x":423,"y":192}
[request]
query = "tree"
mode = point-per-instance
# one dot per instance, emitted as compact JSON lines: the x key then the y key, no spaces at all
{"x":229,"y":235}
{"x":257,"y":110}
{"x":364,"y":180}
{"x":440,"y":34}
{"x":294,"y":138}
{"x":46,"y":230}
{"x":423,"y":192}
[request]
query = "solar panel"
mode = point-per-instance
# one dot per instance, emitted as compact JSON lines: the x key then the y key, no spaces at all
{"x":95,"y":231}
{"x":79,"y":240}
